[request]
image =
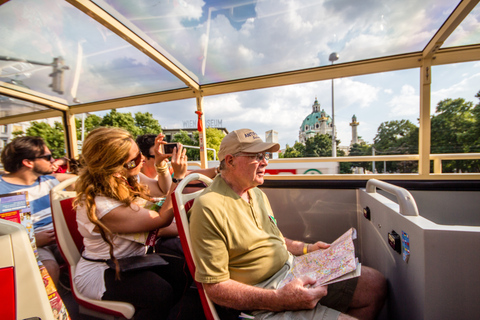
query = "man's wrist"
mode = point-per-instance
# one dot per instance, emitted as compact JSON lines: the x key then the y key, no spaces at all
{"x":305,"y":248}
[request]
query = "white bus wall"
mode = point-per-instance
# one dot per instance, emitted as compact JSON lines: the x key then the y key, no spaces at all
{"x":440,"y":279}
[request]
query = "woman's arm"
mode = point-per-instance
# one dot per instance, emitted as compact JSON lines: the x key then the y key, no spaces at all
{"x":135,"y":219}
{"x":159,"y":187}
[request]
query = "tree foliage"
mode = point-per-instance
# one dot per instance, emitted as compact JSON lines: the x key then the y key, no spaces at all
{"x":120,"y":120}
{"x":214,"y":138}
{"x":145,"y":122}
{"x":319,"y":145}
{"x":53,"y":136}
{"x":455,"y":129}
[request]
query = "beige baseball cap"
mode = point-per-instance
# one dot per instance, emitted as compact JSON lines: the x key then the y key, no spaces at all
{"x":245,"y":140}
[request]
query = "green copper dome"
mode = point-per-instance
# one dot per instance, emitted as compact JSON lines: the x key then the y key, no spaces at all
{"x":312,"y":121}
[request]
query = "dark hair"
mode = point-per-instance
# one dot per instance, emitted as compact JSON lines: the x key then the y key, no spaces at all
{"x":145,"y":142}
{"x":19,"y":149}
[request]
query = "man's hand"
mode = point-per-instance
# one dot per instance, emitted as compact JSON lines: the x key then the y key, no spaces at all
{"x":317,"y":246}
{"x":45,"y":238}
{"x":296,"y":295}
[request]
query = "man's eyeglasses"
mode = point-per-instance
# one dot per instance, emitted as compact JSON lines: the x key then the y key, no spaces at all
{"x":47,"y":157}
{"x":132,"y":164}
{"x":150,"y":156}
{"x":258,"y":156}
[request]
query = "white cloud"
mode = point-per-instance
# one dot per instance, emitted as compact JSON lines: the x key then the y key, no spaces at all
{"x":405,"y":104}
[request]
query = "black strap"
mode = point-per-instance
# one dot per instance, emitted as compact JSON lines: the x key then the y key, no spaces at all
{"x":94,"y":260}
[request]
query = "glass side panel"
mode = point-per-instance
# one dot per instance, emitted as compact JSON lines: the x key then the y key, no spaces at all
{"x":468,"y":32}
{"x":11,"y":106}
{"x":456,"y":113}
{"x":51,"y":47}
{"x":225,"y":40}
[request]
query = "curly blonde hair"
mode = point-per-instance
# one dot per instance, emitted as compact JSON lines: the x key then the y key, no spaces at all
{"x":104,"y":153}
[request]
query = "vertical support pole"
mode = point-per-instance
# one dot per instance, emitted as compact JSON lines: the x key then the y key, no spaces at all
{"x":201,"y":134}
{"x":70,"y":133}
{"x":424,"y":134}
{"x":374,"y":170}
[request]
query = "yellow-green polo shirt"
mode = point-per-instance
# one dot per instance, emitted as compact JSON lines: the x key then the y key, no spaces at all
{"x":232,"y":239}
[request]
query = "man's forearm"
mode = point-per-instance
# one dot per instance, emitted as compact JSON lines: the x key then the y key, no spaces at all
{"x":295,"y":247}
{"x":236,"y":295}
{"x":295,"y":295}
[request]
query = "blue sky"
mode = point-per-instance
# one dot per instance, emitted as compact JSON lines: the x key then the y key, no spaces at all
{"x":354,"y":31}
{"x":372,"y":98}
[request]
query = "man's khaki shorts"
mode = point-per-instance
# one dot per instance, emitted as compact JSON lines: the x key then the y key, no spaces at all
{"x":329,"y":308}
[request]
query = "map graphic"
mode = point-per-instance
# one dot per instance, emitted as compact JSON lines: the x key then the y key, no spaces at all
{"x":330,"y":265}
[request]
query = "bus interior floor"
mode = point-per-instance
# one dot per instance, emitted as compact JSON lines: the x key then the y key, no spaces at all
{"x":69,"y":301}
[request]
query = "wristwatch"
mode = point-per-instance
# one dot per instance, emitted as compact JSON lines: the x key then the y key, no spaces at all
{"x":175,"y":180}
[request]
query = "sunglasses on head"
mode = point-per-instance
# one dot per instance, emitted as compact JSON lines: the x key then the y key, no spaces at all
{"x":132,"y":164}
{"x":47,"y":157}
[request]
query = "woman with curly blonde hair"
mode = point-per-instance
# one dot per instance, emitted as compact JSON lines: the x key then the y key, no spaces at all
{"x":111,"y":195}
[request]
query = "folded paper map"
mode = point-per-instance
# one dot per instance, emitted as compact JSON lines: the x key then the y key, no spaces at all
{"x":337,"y":263}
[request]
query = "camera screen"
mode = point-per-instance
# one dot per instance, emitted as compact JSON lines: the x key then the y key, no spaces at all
{"x":168,"y":148}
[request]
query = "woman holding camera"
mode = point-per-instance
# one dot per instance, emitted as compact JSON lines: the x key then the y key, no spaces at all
{"x":111,"y":212}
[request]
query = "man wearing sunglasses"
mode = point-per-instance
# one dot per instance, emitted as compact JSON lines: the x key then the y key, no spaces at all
{"x":29,"y":166}
{"x":241,"y":255}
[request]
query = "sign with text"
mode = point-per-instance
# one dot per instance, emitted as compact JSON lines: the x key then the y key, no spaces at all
{"x":210,"y":123}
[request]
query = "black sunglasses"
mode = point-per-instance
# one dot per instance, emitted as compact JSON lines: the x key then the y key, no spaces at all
{"x":47,"y":157}
{"x":132,"y":164}
{"x":150,"y":156}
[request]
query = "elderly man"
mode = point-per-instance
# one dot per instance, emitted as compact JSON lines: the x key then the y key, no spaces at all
{"x":241,"y":255}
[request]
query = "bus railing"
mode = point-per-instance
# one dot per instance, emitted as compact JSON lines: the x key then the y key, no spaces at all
{"x":436,"y":174}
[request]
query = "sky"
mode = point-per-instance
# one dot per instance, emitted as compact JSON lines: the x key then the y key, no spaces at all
{"x":373,"y":99}
{"x":353,"y":33}
{"x":214,"y":40}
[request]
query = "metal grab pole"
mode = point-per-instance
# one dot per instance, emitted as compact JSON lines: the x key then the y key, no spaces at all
{"x":333,"y":57}
{"x":334,"y":142}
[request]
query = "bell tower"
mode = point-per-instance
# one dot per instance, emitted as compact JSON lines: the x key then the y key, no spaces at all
{"x":354,"y":124}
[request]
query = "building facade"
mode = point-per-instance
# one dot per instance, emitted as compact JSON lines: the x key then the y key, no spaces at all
{"x":319,"y":122}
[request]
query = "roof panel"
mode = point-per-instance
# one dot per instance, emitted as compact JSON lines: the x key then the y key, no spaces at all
{"x":468,"y":32}
{"x":227,"y":40}
{"x":12,"y":107}
{"x":97,"y":63}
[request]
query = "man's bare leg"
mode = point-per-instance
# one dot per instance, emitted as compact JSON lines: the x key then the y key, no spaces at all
{"x":369,"y":296}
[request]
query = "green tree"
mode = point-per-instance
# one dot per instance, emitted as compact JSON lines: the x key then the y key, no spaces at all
{"x":121,"y":120}
{"x":320,"y":145}
{"x":53,"y":136}
{"x":397,"y":137}
{"x":91,"y":122}
{"x":146,"y":123}
{"x":186,"y":140}
{"x":357,"y":149}
{"x":296,"y":151}
{"x":214,"y":138}
{"x":455,"y":130}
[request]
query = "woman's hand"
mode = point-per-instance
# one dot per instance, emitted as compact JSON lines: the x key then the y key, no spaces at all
{"x":179,"y":162}
{"x":160,"y":157}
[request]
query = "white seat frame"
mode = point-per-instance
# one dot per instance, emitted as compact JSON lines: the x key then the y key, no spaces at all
{"x":179,"y":200}
{"x":103,"y":309}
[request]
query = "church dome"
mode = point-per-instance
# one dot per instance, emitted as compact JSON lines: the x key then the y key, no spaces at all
{"x":313,"y":120}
